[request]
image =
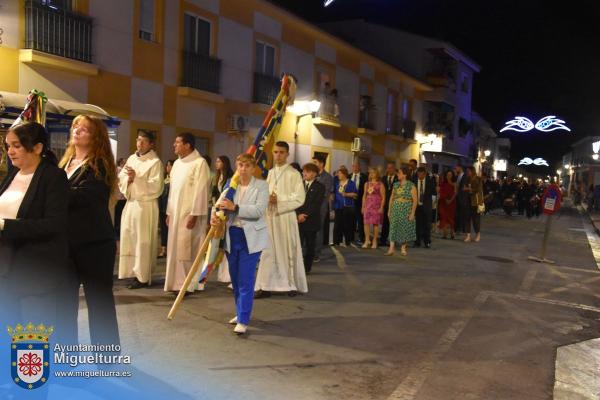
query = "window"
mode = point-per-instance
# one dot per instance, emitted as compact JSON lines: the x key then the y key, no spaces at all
{"x":202,"y":145}
{"x":464,"y":83}
{"x":147,"y":20}
{"x":66,"y":5}
{"x":406,"y":109}
{"x":196,"y":35}
{"x":391,"y":113}
{"x":265,"y":59}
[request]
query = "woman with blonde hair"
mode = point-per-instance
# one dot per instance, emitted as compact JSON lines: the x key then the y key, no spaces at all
{"x":372,"y":207}
{"x":90,"y":168}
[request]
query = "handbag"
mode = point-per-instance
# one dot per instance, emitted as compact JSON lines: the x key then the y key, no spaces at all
{"x":480,"y":204}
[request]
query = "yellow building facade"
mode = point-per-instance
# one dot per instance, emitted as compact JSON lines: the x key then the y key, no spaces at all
{"x":210,"y":67}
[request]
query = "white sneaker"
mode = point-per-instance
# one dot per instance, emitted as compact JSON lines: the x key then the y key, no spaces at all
{"x":240,"y":329}
{"x":200,"y":287}
{"x":233,"y":321}
{"x":230,"y":286}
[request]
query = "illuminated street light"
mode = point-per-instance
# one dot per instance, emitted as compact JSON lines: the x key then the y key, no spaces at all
{"x":595,"y":156}
{"x":487,"y":153}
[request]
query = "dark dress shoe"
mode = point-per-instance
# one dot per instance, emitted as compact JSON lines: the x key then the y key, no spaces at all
{"x":262,"y":294}
{"x":427,"y":245}
{"x":136,"y":284}
{"x":293,"y":293}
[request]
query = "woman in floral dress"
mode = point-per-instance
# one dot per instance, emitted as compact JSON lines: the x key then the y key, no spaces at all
{"x":373,"y":202}
{"x":403,"y":205}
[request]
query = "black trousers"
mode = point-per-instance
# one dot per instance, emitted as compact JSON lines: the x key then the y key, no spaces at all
{"x":343,"y":226}
{"x":118,"y":213}
{"x":423,"y":222}
{"x":475,"y":220}
{"x":164,"y":229}
{"x":308,"y":240}
{"x":94,"y":265}
{"x":360,"y":226}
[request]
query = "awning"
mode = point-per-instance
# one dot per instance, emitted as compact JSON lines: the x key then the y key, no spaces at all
{"x":11,"y":105}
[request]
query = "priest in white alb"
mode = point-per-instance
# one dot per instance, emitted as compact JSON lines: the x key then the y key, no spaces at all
{"x":187,"y":212}
{"x":281,"y":267}
{"x":141,"y":182}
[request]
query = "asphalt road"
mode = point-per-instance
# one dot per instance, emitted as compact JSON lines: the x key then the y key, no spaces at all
{"x":457,"y":321}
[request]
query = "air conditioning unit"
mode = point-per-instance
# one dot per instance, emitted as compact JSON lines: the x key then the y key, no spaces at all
{"x":356,"y":145}
{"x":238,"y":123}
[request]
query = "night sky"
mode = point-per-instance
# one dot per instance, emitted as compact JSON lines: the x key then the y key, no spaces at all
{"x":537,"y":58}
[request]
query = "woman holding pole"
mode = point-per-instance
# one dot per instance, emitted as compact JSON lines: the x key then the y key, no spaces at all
{"x":246,"y":236}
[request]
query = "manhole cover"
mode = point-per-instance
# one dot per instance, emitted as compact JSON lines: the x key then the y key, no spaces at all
{"x":496,"y":259}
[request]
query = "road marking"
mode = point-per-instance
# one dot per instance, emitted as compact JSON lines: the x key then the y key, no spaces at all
{"x":545,"y":301}
{"x":341,"y":262}
{"x":410,"y":386}
{"x":592,"y":239}
{"x":579,"y":285}
{"x":528,"y":281}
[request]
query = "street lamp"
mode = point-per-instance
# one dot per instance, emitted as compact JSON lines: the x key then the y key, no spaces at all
{"x":559,"y":171}
{"x":302,"y":108}
{"x":595,"y":156}
{"x":487,"y":153}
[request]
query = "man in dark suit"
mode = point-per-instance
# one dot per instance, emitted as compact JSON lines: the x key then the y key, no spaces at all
{"x":326,"y":180}
{"x":412,"y":166}
{"x":388,"y":181}
{"x":309,"y":214}
{"x":426,"y":189}
{"x":463,"y":200}
{"x":359,"y":179}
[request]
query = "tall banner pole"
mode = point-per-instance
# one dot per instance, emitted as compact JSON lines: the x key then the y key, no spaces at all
{"x":211,"y":250}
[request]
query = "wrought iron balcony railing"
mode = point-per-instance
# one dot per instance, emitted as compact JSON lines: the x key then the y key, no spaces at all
{"x":57,"y":31}
{"x":201,"y":72}
{"x":266,"y":89}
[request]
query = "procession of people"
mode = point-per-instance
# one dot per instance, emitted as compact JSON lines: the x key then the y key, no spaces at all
{"x":276,"y":231}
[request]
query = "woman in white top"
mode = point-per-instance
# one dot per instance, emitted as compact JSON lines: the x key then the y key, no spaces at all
{"x":33,"y":238}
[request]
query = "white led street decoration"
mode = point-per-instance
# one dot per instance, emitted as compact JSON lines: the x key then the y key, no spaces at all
{"x":538,"y":162}
{"x":546,"y":124}
{"x":327,"y":3}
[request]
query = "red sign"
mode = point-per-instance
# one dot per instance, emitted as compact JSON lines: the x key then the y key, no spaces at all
{"x":551,"y":199}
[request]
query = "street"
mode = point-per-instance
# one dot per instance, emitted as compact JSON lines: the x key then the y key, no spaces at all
{"x":458,"y":321}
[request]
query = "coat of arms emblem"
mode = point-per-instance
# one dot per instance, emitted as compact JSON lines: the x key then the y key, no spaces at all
{"x":30,"y":355}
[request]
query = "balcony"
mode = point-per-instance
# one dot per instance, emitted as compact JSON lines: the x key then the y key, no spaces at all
{"x":441,"y":80}
{"x":266,"y":89}
{"x":329,"y":112}
{"x":366,"y":115}
{"x":58,"y":32}
{"x":201,"y":72}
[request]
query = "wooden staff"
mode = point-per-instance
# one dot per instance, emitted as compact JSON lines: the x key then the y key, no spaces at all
{"x":214,"y":231}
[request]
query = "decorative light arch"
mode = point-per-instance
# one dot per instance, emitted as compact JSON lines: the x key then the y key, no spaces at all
{"x":538,"y":162}
{"x":547,"y":124}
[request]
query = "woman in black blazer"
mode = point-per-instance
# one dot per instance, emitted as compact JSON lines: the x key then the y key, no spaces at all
{"x":91,"y":170}
{"x":33,"y":238}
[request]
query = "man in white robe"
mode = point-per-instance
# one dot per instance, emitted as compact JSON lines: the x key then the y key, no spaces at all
{"x":187,"y":212}
{"x":281,"y":267}
{"x":141,"y":183}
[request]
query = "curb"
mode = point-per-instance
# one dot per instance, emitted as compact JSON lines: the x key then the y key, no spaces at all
{"x":582,"y":210}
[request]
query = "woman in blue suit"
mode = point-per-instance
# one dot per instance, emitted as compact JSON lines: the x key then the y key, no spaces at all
{"x":246,"y":236}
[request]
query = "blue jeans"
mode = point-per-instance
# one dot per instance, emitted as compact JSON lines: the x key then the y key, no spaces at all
{"x":242,"y":269}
